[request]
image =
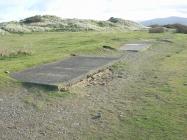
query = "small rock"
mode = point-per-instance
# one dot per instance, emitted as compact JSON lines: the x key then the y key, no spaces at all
{"x":168,"y":55}
{"x":76,"y":124}
{"x":90,"y":79}
{"x":42,"y":133}
{"x":12,"y":127}
{"x":121,"y":115}
{"x":108,"y":47}
{"x":120,"y":76}
{"x":155,"y":77}
{"x":88,"y":85}
{"x":73,"y":54}
{"x":7,"y":72}
{"x":94,"y":83}
{"x":87,"y":95}
{"x":167,"y":40}
{"x":145,"y":118}
{"x":63,"y":89}
{"x":1,"y":100}
{"x":97,"y":116}
{"x":102,"y":84}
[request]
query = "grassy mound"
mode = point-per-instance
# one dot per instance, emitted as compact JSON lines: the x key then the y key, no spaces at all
{"x":52,"y":23}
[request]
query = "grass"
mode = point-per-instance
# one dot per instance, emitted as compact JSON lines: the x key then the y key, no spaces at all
{"x":159,"y":109}
{"x":152,"y":106}
{"x":47,"y":47}
{"x":40,"y":99}
{"x":168,"y":119}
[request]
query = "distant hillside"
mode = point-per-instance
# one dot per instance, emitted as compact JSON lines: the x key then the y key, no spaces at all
{"x":52,"y":23}
{"x":164,"y":21}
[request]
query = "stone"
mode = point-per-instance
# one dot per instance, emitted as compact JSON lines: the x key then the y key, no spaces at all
{"x":108,"y":47}
{"x":7,"y":72}
{"x":97,"y":116}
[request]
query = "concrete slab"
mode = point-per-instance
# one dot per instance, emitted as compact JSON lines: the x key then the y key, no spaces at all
{"x":63,"y":73}
{"x":134,"y":47}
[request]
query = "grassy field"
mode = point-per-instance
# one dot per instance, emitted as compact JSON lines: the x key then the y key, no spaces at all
{"x":47,"y":47}
{"x":159,"y":110}
{"x":147,"y":101}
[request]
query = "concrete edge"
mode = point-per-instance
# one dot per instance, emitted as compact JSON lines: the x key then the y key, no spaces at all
{"x":67,"y":85}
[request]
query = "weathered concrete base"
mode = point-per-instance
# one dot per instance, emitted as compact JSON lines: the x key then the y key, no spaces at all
{"x":134,"y":47}
{"x":64,"y":73}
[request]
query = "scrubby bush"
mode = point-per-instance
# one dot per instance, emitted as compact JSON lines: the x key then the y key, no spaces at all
{"x":179,"y":28}
{"x":2,"y":32}
{"x":23,"y":52}
{"x":154,"y":26}
{"x":15,"y":28}
{"x":156,"y":30}
{"x":101,"y":24}
{"x":33,"y":19}
{"x":4,"y":53}
{"x":39,"y":29}
{"x":114,"y":20}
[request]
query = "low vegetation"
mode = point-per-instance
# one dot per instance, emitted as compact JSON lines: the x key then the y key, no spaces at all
{"x":11,"y":54}
{"x":2,"y":32}
{"x":179,"y":28}
{"x":48,"y":23}
{"x":146,"y":97}
{"x":156,"y":30}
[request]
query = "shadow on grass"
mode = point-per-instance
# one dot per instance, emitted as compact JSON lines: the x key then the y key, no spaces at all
{"x":35,"y":87}
{"x":40,"y":96}
{"x":45,"y":90}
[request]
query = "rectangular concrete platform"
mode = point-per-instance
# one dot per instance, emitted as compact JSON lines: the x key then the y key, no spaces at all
{"x":63,"y":73}
{"x":134,"y":47}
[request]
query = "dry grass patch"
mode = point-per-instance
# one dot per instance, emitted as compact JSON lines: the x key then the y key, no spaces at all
{"x":4,"y":53}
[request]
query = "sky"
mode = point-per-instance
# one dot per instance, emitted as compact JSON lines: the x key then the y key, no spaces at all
{"x":137,"y":10}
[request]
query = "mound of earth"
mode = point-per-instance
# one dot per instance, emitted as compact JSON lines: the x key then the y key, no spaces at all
{"x":53,"y":23}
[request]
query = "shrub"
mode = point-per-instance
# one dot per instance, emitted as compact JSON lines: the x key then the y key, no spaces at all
{"x":2,"y":32}
{"x":32,"y":19}
{"x":170,"y":26}
{"x":9,"y":54}
{"x":179,"y":28}
{"x":156,"y":30}
{"x":114,"y":20}
{"x":101,"y":24}
{"x":15,"y":28}
{"x":155,"y":26}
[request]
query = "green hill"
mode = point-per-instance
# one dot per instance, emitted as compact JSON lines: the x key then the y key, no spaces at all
{"x":49,"y":23}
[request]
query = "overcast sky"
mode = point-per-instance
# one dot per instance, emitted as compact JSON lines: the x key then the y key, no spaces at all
{"x":136,"y":10}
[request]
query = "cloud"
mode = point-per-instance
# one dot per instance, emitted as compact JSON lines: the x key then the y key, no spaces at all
{"x":39,"y":6}
{"x":93,"y":9}
{"x":183,"y":11}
